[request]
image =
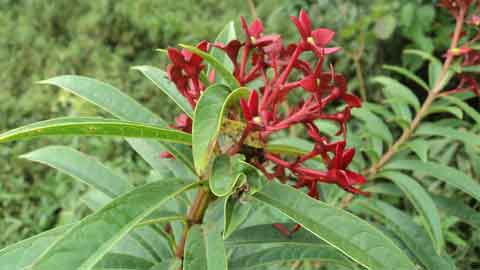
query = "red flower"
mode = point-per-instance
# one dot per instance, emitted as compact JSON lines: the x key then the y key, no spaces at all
{"x":254,"y":34}
{"x":315,"y":40}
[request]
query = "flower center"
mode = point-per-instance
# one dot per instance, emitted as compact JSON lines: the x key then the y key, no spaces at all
{"x":257,"y":120}
{"x":253,"y":39}
{"x":311,"y":40}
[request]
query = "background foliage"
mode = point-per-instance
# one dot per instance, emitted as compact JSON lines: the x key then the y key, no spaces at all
{"x":103,"y":39}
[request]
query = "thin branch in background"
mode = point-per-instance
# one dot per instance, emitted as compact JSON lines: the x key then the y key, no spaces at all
{"x":253,"y":11}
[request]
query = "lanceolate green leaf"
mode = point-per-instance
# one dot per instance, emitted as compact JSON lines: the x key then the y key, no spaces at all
{"x":204,"y":249}
{"x":420,"y":147}
{"x":277,"y":255}
{"x":411,"y":234}
{"x":226,"y":35}
{"x":87,"y":126}
{"x":432,"y":129}
{"x":218,"y":66}
{"x":465,"y":107}
{"x":351,"y":235}
{"x":374,"y":124}
{"x":122,"y":261}
{"x":88,"y":241}
{"x":224,"y":175}
{"x":235,"y":212}
{"x":121,"y":106}
{"x":397,"y":90}
{"x":424,"y":204}
{"x":207,"y":121}
{"x":455,"y":207}
{"x":263,"y":234}
{"x":161,"y":80}
{"x":81,"y":167}
{"x":443,"y":173}
{"x":20,"y":255}
{"x":407,"y":73}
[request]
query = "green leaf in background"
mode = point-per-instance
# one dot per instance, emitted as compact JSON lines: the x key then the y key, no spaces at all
{"x":420,"y":148}
{"x":121,"y":106}
{"x":450,"y":176}
{"x":434,"y":68}
{"x":374,"y":124}
{"x":236,"y":212}
{"x":385,"y":26}
{"x":88,"y":241}
{"x":161,"y":80}
{"x":24,"y":253}
{"x":81,"y":167}
{"x":207,"y":121}
{"x":172,"y":264}
{"x":408,"y":74}
{"x":351,"y":235}
{"x":455,"y":207}
{"x":225,"y":174}
{"x":465,"y":107}
{"x":218,"y":66}
{"x":423,"y":203}
{"x":412,"y":235}
{"x":396,"y":90}
{"x":226,"y":35}
{"x":278,"y":255}
{"x":434,"y":129}
{"x":453,"y":110}
{"x":89,"y":126}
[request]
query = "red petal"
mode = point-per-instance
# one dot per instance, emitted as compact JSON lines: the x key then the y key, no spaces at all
{"x":322,"y":36}
{"x":305,"y":21}
{"x":331,"y":50}
{"x":309,"y":83}
{"x":245,"y":110}
{"x":256,"y":28}
{"x":347,"y":157}
{"x":300,"y":29}
{"x":253,"y":103}
{"x":354,"y":178}
{"x":175,"y":56}
{"x":352,"y":101}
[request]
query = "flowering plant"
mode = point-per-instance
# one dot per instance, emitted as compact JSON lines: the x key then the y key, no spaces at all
{"x":225,"y":171}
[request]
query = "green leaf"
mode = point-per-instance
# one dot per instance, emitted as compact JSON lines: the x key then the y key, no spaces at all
{"x":222,"y":71}
{"x":123,"y":261}
{"x":204,"y":249}
{"x":236,"y":212}
{"x":434,"y":68}
{"x":225,"y":174}
{"x":455,"y":207}
{"x":432,"y":129}
{"x":121,"y":106}
{"x":408,"y":74}
{"x":443,"y":173}
{"x":89,"y":240}
{"x":373,"y":124}
{"x":385,"y":26}
{"x":420,"y":148}
{"x":465,"y":107}
{"x":445,"y":109}
{"x":82,"y":168}
{"x":161,"y":80}
{"x":396,"y":90}
{"x":172,"y":264}
{"x":89,"y":126}
{"x":226,"y":35}
{"x":424,"y":204}
{"x":472,"y":69}
{"x":412,"y":235}
{"x":207,"y":121}
{"x":267,"y":234}
{"x":351,"y":235}
{"x":22,"y":254}
{"x":279,"y":255}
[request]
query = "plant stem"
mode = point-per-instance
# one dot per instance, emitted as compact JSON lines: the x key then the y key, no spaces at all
{"x":433,"y":94}
{"x":361,"y":80}
{"x":194,"y":216}
{"x":253,"y":11}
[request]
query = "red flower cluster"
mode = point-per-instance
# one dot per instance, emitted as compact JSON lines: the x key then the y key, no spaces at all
{"x":282,"y":68}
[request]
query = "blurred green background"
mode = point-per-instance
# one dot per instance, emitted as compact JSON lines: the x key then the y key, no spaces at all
{"x":104,"y":38}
